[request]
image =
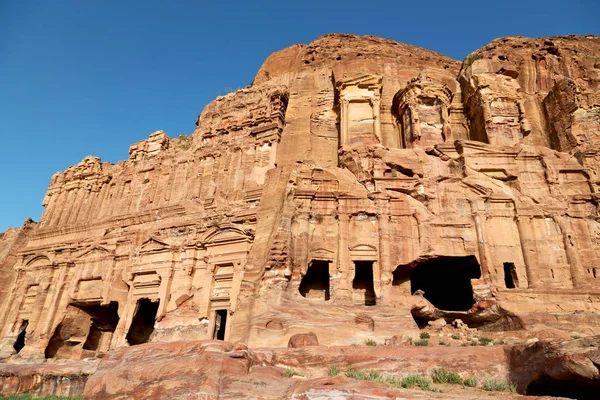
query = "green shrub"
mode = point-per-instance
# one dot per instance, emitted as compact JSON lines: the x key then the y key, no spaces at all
{"x":361,"y":374}
{"x":443,"y":343}
{"x":499,"y":343}
{"x":410,"y":340}
{"x":442,"y":375}
{"x":333,"y":370}
{"x":470,"y":382}
{"x":370,"y":342}
{"x":474,"y":342}
{"x":416,"y":380}
{"x":455,"y":337}
{"x":421,"y":342}
{"x":290,"y":373}
{"x":576,"y":336}
{"x":471,"y":58}
{"x":424,"y":335}
{"x":497,"y":385}
{"x":485,"y":341}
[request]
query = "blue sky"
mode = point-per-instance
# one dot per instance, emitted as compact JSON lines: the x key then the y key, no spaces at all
{"x":89,"y":77}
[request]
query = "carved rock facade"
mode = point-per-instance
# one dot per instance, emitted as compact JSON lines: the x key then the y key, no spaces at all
{"x":357,"y":189}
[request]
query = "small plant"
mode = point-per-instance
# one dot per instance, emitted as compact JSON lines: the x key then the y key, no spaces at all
{"x":333,"y":370}
{"x":470,"y":382}
{"x":410,"y":340}
{"x":370,"y":342}
{"x":455,"y":337}
{"x":464,"y":344}
{"x":443,"y":343}
{"x":424,"y":335}
{"x":471,"y":58}
{"x":576,"y":336}
{"x":421,"y":342}
{"x":485,"y":340}
{"x":442,"y":375}
{"x":416,"y":380}
{"x":291,"y":373}
{"x":499,"y":343}
{"x":474,"y":342}
{"x":361,"y":374}
{"x":496,"y":385}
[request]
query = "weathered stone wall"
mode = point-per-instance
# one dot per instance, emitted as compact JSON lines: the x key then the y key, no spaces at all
{"x":357,"y":188}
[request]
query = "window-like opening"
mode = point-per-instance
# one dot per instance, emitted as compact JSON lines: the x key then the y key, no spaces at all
{"x":104,"y":323}
{"x":511,"y":280}
{"x":363,"y":281}
{"x":20,"y":342}
{"x":220,"y":324}
{"x":571,"y":389}
{"x":87,"y":326}
{"x":446,"y":281}
{"x":315,"y":284}
{"x":142,"y":325}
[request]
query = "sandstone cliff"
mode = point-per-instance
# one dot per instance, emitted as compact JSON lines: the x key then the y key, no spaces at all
{"x":358,"y":188}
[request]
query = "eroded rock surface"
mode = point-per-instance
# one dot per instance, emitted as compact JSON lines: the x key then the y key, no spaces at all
{"x":359,"y":189}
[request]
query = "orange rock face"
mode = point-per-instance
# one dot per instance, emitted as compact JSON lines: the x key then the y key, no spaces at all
{"x":359,"y":188}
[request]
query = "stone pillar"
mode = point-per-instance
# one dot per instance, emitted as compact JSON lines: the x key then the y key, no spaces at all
{"x":571,"y":251}
{"x":527,"y":238}
{"x":343,"y":122}
{"x":385,"y":276}
{"x":343,"y":261}
{"x":375,"y":103}
{"x":54,"y":298}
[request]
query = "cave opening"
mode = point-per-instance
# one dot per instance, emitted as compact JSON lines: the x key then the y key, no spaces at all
{"x":92,"y":324}
{"x":572,"y":389}
{"x":510,"y":276}
{"x":446,"y":281}
{"x":20,"y":342}
{"x":103,"y":325}
{"x":315,"y":284}
{"x":142,"y":325}
{"x":363,"y":281}
{"x":220,"y":324}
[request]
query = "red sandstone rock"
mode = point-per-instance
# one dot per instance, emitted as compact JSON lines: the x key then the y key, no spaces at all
{"x":358,"y":189}
{"x":303,"y":340}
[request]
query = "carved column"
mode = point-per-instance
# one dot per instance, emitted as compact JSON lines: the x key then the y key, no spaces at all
{"x":343,"y":122}
{"x":527,"y":238}
{"x":571,"y":251}
{"x":385,"y":268}
{"x":343,"y":261}
{"x":375,"y":103}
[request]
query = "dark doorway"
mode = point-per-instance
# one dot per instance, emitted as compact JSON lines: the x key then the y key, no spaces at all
{"x":92,"y":324}
{"x":20,"y":342}
{"x":142,"y":325}
{"x":510,"y":275}
{"x":571,"y":389}
{"x":363,"y":281}
{"x":220,"y":324}
{"x":104,"y":323}
{"x":315,"y":284}
{"x":446,"y":281}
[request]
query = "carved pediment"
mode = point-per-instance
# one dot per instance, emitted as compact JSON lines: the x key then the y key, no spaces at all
{"x":362,"y":247}
{"x":226,"y":233}
{"x":362,"y":80}
{"x":95,"y":252}
{"x":154,"y":245}
{"x":38,"y":262}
